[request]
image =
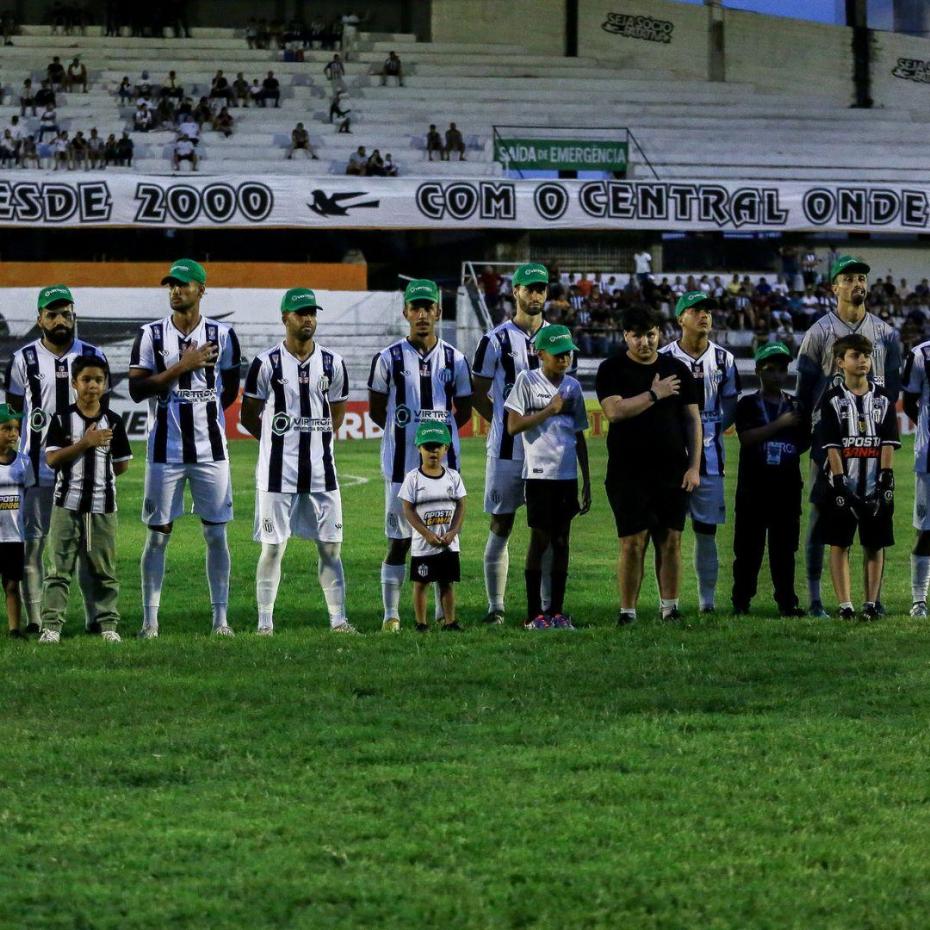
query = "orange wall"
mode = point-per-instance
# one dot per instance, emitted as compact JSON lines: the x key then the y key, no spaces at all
{"x":324,"y":277}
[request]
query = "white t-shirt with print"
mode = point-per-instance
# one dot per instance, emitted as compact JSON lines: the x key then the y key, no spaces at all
{"x":434,"y":500}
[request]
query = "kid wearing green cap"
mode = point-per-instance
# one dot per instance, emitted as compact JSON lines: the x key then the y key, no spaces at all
{"x":433,"y":497}
{"x":773,"y":433}
{"x":547,"y":407}
{"x":16,"y":474}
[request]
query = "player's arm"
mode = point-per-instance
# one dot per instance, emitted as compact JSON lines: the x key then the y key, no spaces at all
{"x":912,"y":381}
{"x":120,"y":468}
{"x":379,"y":384}
{"x":695,"y":433}
{"x":230,"y":392}
{"x":144,"y":383}
{"x":377,"y":407}
{"x":581,"y":453}
{"x":463,"y":407}
{"x":15,"y":388}
{"x":462,"y":397}
{"x":230,"y":363}
{"x":250,"y":415}
{"x":481,"y":399}
{"x":810,"y":373}
{"x":893,"y":366}
{"x":337,"y":410}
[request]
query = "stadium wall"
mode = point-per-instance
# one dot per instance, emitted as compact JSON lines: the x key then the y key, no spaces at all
{"x":538,"y":26}
{"x":900,"y":71}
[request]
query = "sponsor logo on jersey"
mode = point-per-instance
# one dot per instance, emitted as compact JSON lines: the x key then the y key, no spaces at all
{"x":191,"y":396}
{"x":433,"y":416}
{"x":38,"y":420}
{"x":280,"y":424}
{"x":402,"y":416}
{"x":437,"y":517}
{"x":9,"y":502}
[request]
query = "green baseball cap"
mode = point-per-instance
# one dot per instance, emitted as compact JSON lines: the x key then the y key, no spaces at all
{"x":186,"y":270}
{"x":433,"y":431}
{"x":554,"y":339}
{"x":299,"y":298}
{"x":692,"y":299}
{"x":421,"y":289}
{"x":773,"y":350}
{"x":54,"y":294}
{"x":7,"y":413}
{"x":531,"y":273}
{"x":848,"y":263}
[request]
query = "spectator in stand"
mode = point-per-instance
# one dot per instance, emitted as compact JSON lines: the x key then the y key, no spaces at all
{"x":76,"y":76}
{"x":240,"y":89}
{"x":454,"y":143}
{"x":56,"y":73}
{"x":375,"y":166}
{"x":110,"y":153}
{"x":16,"y":134}
{"x":163,"y":113}
{"x":79,"y":150}
{"x":125,"y":90}
{"x":45,"y":96}
{"x":809,"y":263}
{"x":171,"y":88}
{"x":256,"y":92}
{"x":144,"y":87}
{"x":251,"y":33}
{"x":763,"y":288}
{"x":191,"y":128}
{"x":358,"y":162}
{"x":27,"y":98}
{"x":390,"y":169}
{"x":220,"y":89}
{"x":95,"y":147}
{"x":350,"y":23}
{"x":743,"y":317}
{"x":48,"y":123}
{"x":29,"y":154}
{"x":61,"y":152}
{"x":271,"y":90}
{"x":434,"y":143}
{"x":336,"y":112}
{"x":8,"y":157}
{"x":223,"y":122}
{"x":203,"y":112}
{"x":392,"y":67}
{"x":184,"y":151}
{"x":335,"y":72}
{"x":142,"y":119}
{"x":300,"y":141}
{"x":642,"y":265}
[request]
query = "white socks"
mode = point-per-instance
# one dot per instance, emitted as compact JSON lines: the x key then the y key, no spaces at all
{"x":920,"y":576}
{"x":153,"y":574}
{"x":267,"y":579}
{"x":217,"y":570}
{"x":667,"y":605}
{"x":706,"y":566}
{"x":392,"y":578}
{"x":496,"y":565}
{"x":332,"y":581}
{"x":33,"y":576}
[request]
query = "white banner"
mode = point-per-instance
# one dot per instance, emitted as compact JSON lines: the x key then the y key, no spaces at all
{"x":30,"y":198}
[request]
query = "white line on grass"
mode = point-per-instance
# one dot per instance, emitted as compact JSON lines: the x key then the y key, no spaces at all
{"x":347,"y":481}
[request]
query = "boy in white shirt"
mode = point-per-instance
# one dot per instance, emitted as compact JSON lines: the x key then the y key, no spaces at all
{"x":16,"y":474}
{"x":547,"y":406}
{"x":433,"y":496}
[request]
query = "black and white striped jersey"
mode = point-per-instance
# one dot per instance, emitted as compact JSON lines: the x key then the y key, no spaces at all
{"x":186,"y":424}
{"x":418,"y":388}
{"x":858,"y":425}
{"x":916,"y":380}
{"x":295,"y":452}
{"x":43,"y":380}
{"x":88,"y":484}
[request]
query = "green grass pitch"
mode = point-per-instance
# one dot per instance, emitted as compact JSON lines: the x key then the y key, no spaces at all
{"x":752,"y":773}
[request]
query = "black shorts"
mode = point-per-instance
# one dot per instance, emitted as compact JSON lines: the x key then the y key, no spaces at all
{"x":442,"y":567}
{"x":640,"y":503}
{"x":838,"y":527}
{"x":12,"y":561}
{"x":551,"y":505}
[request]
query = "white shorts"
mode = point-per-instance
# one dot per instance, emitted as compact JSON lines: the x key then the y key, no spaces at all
{"x":922,"y":503}
{"x":211,"y":490}
{"x":706,"y":503}
{"x":503,"y":485}
{"x":37,"y":511}
{"x":278,"y":515}
{"x":395,"y":523}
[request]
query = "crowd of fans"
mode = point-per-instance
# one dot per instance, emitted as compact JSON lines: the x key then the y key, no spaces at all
{"x":361,"y":164}
{"x":297,"y":35}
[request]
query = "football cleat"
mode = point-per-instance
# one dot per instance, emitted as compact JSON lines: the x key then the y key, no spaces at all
{"x":709,"y":609}
{"x":110,"y":636}
{"x":625,"y":619}
{"x":50,"y":636}
{"x":421,"y":628}
{"x":919,"y":610}
{"x":345,"y":627}
{"x":33,"y":629}
{"x":741,"y":610}
{"x":561,"y":622}
{"x":265,"y":631}
{"x":493,"y":618}
{"x":795,"y":611}
{"x":539,"y":622}
{"x":17,"y":634}
{"x":847,"y":613}
{"x":148,"y":632}
{"x":391,"y":625}
{"x":452,"y":627}
{"x":673,"y":616}
{"x":879,"y":609}
{"x":869,"y":612}
{"x":817,"y":611}
{"x":223,"y":630}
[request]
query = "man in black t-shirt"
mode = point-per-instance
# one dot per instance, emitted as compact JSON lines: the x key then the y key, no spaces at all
{"x":653,"y":457}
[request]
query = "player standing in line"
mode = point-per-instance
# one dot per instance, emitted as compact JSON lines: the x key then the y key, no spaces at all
{"x":293,"y":404}
{"x":187,"y":367}
{"x":418,"y":379}
{"x":917,"y":406}
{"x":500,"y":357}
{"x":38,"y":385}
{"x":849,"y":278}
{"x":717,"y":382}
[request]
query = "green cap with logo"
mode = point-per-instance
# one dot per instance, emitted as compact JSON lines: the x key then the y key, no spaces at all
{"x":848,"y":263}
{"x":773,"y":350}
{"x":185,"y":270}
{"x":554,"y":339}
{"x":54,"y":294}
{"x":693,"y":299}
{"x":7,"y":413}
{"x":531,"y":273}
{"x":433,"y":431}
{"x":421,"y":289}
{"x":299,"y":298}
